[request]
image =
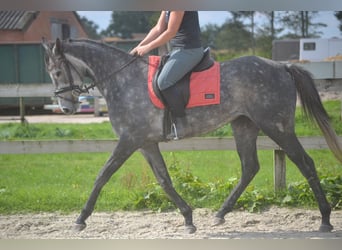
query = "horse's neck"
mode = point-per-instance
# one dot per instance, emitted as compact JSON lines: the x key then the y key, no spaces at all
{"x":102,"y":61}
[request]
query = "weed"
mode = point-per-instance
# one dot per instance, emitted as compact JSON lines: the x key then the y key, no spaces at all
{"x":212,"y":194}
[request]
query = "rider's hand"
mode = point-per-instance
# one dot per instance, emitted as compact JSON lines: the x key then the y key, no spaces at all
{"x":141,"y":50}
{"x":133,"y":52}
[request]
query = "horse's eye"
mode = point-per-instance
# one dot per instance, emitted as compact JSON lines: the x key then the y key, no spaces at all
{"x":58,"y":73}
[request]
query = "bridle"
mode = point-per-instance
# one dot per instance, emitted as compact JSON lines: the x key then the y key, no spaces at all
{"x":75,"y":89}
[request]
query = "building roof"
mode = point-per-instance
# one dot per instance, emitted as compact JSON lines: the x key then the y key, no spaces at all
{"x":16,"y":20}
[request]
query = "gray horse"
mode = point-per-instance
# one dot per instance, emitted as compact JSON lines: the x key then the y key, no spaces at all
{"x":256,"y":95}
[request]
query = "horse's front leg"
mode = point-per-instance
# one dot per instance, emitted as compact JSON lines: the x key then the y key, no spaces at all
{"x":156,"y":161}
{"x":123,"y":150}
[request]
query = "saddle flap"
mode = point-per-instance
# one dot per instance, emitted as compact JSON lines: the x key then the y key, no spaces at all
{"x":154,"y":62}
{"x":204,"y":86}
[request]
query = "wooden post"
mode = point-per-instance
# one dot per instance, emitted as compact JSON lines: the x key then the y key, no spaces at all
{"x":96,"y":106}
{"x":279,"y":170}
{"x":22,"y":109}
{"x":340,"y":109}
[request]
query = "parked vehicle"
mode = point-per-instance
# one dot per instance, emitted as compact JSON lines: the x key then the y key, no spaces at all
{"x":86,"y":106}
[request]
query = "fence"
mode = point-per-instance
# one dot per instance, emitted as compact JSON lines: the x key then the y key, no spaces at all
{"x":193,"y":144}
{"x":34,"y":90}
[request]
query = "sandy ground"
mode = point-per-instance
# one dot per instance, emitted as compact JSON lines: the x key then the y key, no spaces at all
{"x":275,"y":223}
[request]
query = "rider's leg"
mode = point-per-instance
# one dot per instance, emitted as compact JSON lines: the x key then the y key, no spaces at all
{"x":176,"y":106}
{"x":181,"y":62}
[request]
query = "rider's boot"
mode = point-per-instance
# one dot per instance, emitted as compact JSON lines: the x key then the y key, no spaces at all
{"x":176,"y":105}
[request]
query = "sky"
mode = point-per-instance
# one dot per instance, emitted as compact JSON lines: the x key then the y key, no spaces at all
{"x":102,"y":19}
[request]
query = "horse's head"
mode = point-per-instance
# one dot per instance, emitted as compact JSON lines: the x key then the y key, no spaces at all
{"x":67,"y":74}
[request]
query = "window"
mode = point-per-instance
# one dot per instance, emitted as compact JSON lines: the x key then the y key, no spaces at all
{"x":65,"y":31}
{"x":61,"y":29}
{"x":309,"y":46}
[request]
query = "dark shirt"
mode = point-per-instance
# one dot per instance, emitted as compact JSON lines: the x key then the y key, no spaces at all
{"x":189,"y":33}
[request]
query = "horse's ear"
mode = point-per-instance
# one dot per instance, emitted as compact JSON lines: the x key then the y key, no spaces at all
{"x":57,"y":50}
{"x":45,"y":44}
{"x":48,"y":52}
{"x":89,"y":73}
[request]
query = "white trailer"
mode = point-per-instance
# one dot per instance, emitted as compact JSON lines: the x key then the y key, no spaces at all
{"x":317,"y":49}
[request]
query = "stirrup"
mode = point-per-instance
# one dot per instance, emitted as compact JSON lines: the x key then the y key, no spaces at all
{"x":173,"y":135}
{"x":175,"y":131}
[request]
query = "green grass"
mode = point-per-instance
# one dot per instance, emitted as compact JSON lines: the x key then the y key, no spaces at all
{"x":41,"y":131}
{"x":60,"y":182}
{"x":63,"y":182}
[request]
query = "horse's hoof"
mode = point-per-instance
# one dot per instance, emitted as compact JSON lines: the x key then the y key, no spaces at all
{"x":218,"y":221}
{"x":326,"y":228}
{"x":190,"y":229}
{"x":80,"y":226}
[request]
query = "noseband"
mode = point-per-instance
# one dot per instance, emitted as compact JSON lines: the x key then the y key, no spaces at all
{"x":75,"y":89}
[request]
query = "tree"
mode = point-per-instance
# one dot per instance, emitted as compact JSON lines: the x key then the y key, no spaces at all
{"x":266,"y":33}
{"x":234,"y":36}
{"x":269,"y":28}
{"x":90,"y":28}
{"x":125,"y":23}
{"x":300,"y":24}
{"x":238,"y":15}
{"x":338,"y":15}
{"x":209,"y":34}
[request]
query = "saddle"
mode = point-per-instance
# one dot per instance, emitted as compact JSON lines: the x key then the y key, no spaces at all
{"x":199,"y":87}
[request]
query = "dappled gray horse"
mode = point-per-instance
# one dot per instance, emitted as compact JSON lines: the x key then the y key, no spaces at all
{"x":256,"y":95}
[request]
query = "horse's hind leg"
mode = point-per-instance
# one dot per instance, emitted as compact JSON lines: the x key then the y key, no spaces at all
{"x":294,"y":150}
{"x":153,"y":156}
{"x":245,"y":134}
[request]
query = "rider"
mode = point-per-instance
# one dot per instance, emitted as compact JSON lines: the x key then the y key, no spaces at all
{"x":182,"y":30}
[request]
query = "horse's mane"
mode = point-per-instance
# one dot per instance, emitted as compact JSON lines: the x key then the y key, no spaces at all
{"x":95,"y":44}
{"x":103,"y":47}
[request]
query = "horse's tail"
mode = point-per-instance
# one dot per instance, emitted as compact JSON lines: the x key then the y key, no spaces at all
{"x":313,"y":108}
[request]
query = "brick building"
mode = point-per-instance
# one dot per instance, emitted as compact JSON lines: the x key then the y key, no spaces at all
{"x":31,"y":26}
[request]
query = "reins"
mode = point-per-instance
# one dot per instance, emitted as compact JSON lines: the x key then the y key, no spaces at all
{"x":119,"y":69}
{"x":77,"y":89}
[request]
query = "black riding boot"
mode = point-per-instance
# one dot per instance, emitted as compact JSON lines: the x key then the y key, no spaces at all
{"x":175,"y":103}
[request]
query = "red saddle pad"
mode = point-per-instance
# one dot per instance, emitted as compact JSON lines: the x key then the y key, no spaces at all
{"x":204,"y":85}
